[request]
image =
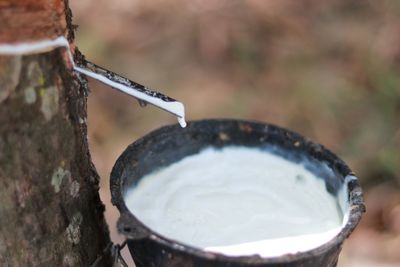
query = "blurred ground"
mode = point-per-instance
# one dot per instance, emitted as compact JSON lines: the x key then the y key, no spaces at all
{"x":327,"y":69}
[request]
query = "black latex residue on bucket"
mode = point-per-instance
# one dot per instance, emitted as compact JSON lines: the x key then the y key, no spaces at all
{"x":170,"y":144}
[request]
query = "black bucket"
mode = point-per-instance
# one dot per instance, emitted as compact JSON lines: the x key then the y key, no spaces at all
{"x":172,"y":143}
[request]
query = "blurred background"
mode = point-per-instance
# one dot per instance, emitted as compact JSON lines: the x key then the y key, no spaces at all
{"x":326,"y":69}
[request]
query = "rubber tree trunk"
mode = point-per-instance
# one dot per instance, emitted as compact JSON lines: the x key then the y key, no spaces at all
{"x":50,"y":210}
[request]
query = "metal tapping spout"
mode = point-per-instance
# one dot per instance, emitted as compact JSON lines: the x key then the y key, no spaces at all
{"x":142,"y":93}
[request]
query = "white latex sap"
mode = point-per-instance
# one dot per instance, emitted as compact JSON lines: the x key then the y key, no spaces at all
{"x":237,"y":201}
{"x":174,"y":107}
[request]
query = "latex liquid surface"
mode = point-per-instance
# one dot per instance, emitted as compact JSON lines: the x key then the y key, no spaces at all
{"x":238,"y":201}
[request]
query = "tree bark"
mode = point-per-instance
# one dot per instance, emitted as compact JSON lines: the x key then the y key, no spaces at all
{"x":50,"y":210}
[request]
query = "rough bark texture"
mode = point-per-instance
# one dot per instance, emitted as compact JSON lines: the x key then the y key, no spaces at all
{"x":50,"y":210}
{"x":32,"y":20}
